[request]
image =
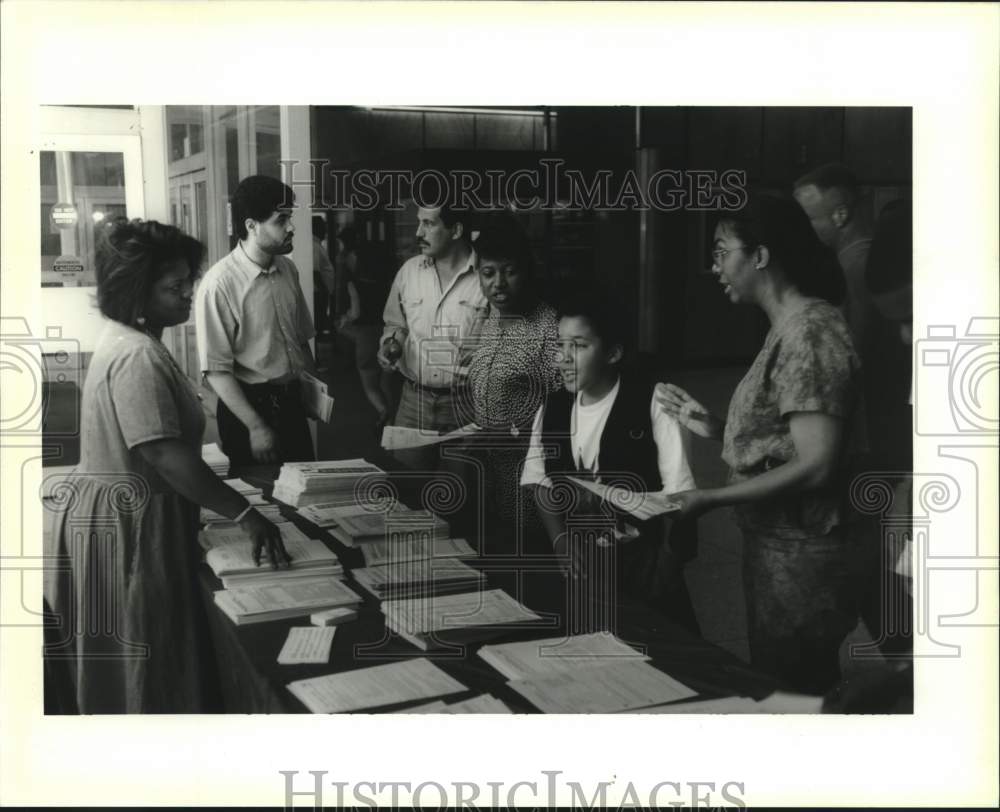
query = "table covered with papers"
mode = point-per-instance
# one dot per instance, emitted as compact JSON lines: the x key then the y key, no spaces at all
{"x":457,"y":659}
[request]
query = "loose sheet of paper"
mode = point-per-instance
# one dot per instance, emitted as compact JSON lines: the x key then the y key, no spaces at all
{"x":252,"y":600}
{"x":307,"y":644}
{"x":493,"y":607}
{"x":726,"y":704}
{"x":484,"y":703}
{"x":541,"y":658}
{"x":437,"y":706}
{"x":375,"y":687}
{"x":608,"y":689}
{"x":395,"y":438}
{"x":642,"y":505}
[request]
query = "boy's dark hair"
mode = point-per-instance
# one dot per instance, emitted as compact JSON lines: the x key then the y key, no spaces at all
{"x":131,"y":257}
{"x":602,"y":310}
{"x":258,"y":197}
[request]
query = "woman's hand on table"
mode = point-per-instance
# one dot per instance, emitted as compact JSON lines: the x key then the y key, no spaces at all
{"x":691,"y":414}
{"x":265,"y":536}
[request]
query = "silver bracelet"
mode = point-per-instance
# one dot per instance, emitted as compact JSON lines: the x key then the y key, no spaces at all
{"x":243,"y":513}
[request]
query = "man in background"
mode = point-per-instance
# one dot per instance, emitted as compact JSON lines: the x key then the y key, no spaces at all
{"x":434,"y":306}
{"x":324,"y":278}
{"x":253,"y":328}
{"x":831,"y":198}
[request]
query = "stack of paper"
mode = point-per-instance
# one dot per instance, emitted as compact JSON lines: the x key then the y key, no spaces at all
{"x":609,"y":688}
{"x":233,"y":563}
{"x":359,"y":526}
{"x":258,"y":604}
{"x":400,"y":548}
{"x":255,"y":496}
{"x":215,"y":459}
{"x":441,"y":620}
{"x":223,"y":534}
{"x":410,"y":579}
{"x":333,"y":617}
{"x":323,"y":514}
{"x":306,"y":483}
{"x":374,"y":687}
{"x":553,"y":655}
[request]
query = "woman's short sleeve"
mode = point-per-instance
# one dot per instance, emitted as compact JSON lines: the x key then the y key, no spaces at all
{"x":816,"y":368}
{"x":142,"y":391}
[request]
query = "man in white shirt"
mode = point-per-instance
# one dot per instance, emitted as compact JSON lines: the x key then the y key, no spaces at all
{"x":253,"y":329}
{"x":433,"y":309}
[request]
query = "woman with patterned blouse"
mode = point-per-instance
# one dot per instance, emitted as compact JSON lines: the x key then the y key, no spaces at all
{"x":791,"y":424}
{"x":511,"y":371}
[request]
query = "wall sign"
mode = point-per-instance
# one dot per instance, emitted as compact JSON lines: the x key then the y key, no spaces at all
{"x":64,"y":215}
{"x":69,"y":269}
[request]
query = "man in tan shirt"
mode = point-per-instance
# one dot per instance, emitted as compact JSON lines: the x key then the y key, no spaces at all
{"x":253,"y":328}
{"x":433,"y":310}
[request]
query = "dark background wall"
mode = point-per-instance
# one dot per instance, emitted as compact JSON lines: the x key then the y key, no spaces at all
{"x":657,"y":261}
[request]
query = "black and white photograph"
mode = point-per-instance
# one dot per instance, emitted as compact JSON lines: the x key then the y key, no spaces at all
{"x":380,"y":407}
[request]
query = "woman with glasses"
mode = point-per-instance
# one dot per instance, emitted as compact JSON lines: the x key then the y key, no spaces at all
{"x":133,"y":630}
{"x":789,"y":432}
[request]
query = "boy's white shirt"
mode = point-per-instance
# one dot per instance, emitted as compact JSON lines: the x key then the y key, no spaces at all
{"x":586,"y":427}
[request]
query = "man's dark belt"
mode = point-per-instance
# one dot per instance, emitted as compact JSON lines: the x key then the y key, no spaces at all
{"x":436,"y":390}
{"x":289,"y":388}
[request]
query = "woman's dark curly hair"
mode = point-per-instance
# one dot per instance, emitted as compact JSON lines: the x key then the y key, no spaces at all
{"x":501,"y":236}
{"x":779,"y":224}
{"x":131,"y":257}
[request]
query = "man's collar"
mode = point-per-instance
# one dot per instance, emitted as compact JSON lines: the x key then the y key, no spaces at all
{"x":428,"y":262}
{"x":247,"y":266}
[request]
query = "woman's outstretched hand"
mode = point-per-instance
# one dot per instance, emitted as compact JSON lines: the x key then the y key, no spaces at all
{"x":677,"y":403}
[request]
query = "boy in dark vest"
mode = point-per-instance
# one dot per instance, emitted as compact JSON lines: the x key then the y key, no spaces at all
{"x":606,"y":426}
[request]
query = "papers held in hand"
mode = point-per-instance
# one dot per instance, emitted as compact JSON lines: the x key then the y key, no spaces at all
{"x":315,"y":398}
{"x":642,"y":505}
{"x":395,"y":438}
